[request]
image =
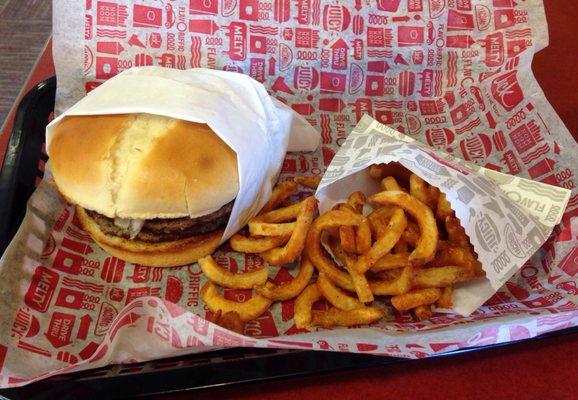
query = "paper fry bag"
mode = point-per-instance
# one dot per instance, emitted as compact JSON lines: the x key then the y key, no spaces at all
{"x":507,"y":218}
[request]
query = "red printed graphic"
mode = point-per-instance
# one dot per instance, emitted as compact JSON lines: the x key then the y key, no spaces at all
{"x":410,"y":36}
{"x":205,"y":26}
{"x":25,"y":324}
{"x":336,"y":18}
{"x":110,"y":14}
{"x":459,"y":21}
{"x":83,"y":327}
{"x":406,"y":83}
{"x":570,"y":263}
{"x":389,"y":5}
{"x":109,"y":47}
{"x":541,"y":168}
{"x":69,"y":298}
{"x":135,"y":41}
{"x":339,"y":52}
{"x":88,"y":25}
{"x":67,"y":262}
{"x":237,"y":41}
{"x":106,"y":67}
{"x":82,"y":285}
{"x":436,"y":8}
{"x":60,"y":329}
{"x":170,"y":60}
{"x":112,"y":269}
{"x":155,"y":40}
{"x":136,"y":292}
{"x":41,"y":289}
{"x":414,"y":5}
{"x":358,"y":49}
{"x":439,"y":137}
{"x":335,"y":105}
{"x":174,"y":289}
{"x":460,"y":41}
{"x":332,"y":82}
{"x":3,"y":352}
{"x":358,"y":25}
{"x":509,"y":158}
{"x":476,"y":148}
{"x":304,"y":79}
{"x":282,"y":9}
{"x":106,"y":315}
{"x":78,"y":247}
{"x":203,"y":7}
{"x":226,"y":339}
{"x":374,"y":85}
{"x":356,"y":78}
{"x":33,"y":349}
{"x":525,"y":137}
{"x":127,"y":319}
{"x":504,"y":18}
{"x":142,"y":60}
{"x":61,"y":221}
{"x":143,"y":274}
{"x":116,"y":294}
{"x":483,"y":16}
{"x":146,"y":16}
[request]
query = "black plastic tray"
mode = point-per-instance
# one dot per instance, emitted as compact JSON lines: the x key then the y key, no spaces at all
{"x":22,"y":169}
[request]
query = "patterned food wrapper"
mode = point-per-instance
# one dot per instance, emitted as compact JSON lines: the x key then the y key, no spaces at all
{"x":260,"y":129}
{"x":507,"y":218}
{"x":455,"y":75}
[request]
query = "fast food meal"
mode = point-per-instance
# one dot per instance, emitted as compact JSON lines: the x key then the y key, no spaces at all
{"x":149,"y":189}
{"x":401,"y":247}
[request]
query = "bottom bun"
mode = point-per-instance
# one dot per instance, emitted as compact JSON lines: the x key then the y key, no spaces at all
{"x":165,"y":254}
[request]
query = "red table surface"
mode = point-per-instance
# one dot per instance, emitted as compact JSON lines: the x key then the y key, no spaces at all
{"x":533,"y":370}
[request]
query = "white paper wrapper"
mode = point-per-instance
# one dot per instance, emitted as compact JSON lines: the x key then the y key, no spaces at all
{"x":507,"y":218}
{"x":258,"y":128}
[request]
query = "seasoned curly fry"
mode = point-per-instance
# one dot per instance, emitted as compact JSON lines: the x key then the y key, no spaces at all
{"x":296,"y":243}
{"x":225,"y":278}
{"x":397,"y":286}
{"x":303,"y":303}
{"x":415,"y":298}
{"x":456,"y":233}
{"x":337,"y":297}
{"x":260,"y":228}
{"x":247,"y":310}
{"x":426,"y":245}
{"x":444,"y":208}
{"x":308,"y":181}
{"x":230,"y":320}
{"x":289,"y":289}
{"x":446,"y":299}
{"x":314,"y":251}
{"x":336,"y":317}
{"x":244,"y":244}
{"x":384,"y":244}
{"x":422,"y":312}
{"x":280,"y":193}
{"x":359,"y":280}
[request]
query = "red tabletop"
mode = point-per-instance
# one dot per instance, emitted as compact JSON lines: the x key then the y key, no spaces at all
{"x":539,"y":369}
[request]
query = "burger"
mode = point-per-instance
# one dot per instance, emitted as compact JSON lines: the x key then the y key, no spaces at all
{"x":149,"y":189}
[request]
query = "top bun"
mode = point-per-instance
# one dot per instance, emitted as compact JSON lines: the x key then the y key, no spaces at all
{"x":142,"y":166}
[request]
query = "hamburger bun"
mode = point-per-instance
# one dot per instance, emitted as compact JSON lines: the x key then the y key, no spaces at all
{"x":144,"y":167}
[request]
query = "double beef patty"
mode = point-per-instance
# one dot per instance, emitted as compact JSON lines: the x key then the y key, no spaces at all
{"x":167,"y":229}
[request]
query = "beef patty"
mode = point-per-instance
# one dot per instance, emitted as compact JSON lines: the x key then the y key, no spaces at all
{"x":167,"y":229}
